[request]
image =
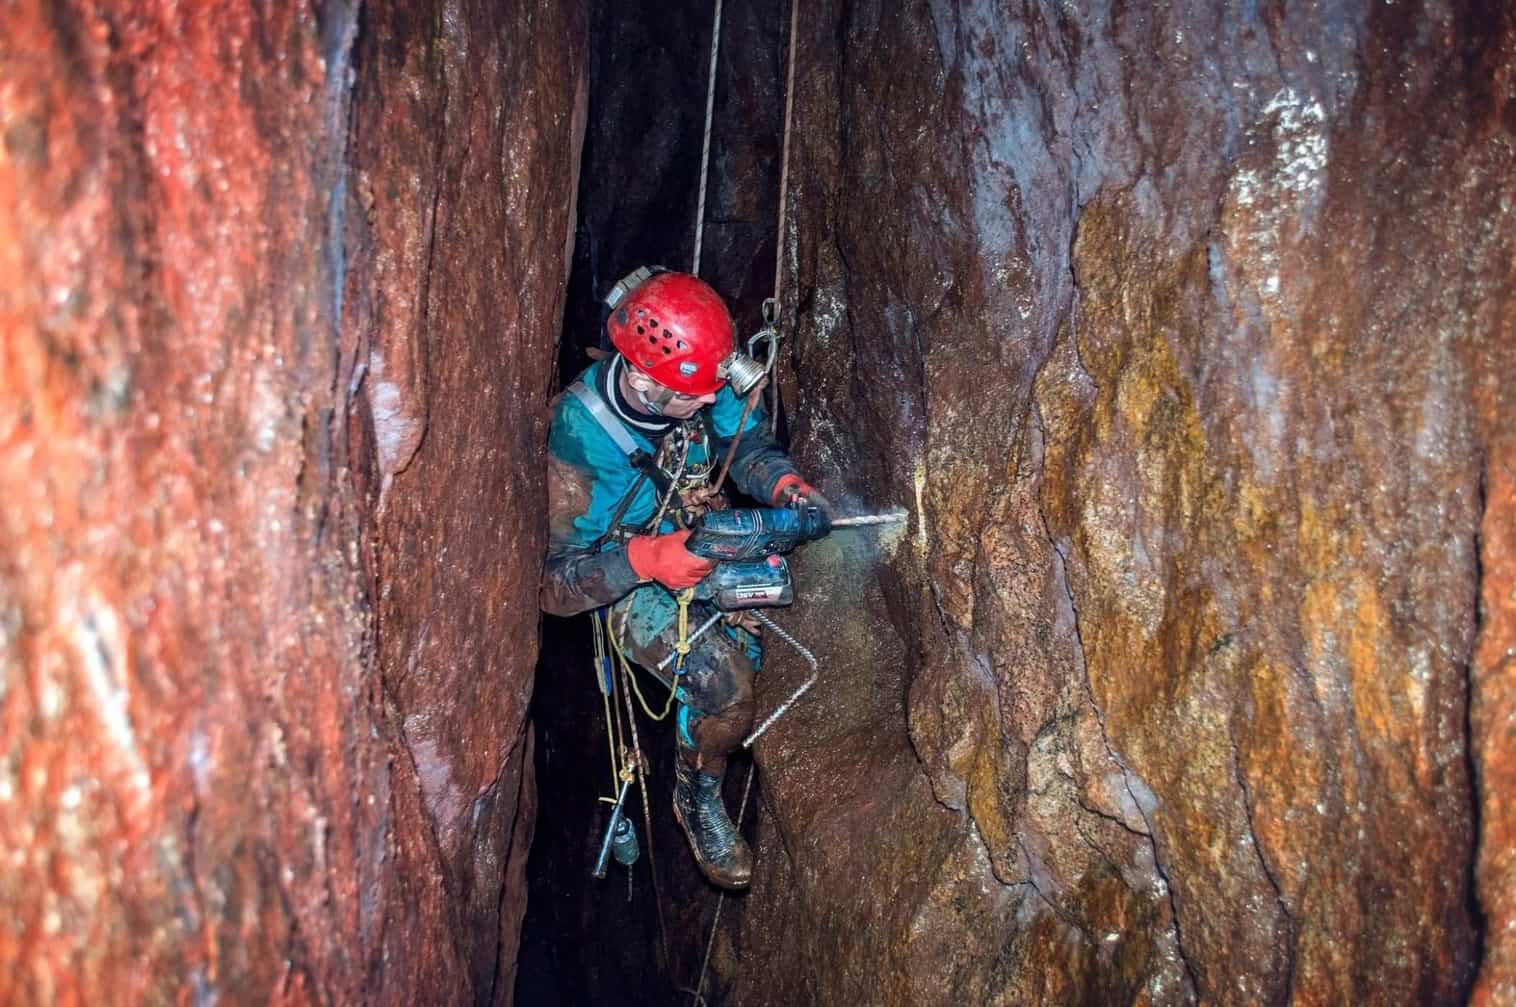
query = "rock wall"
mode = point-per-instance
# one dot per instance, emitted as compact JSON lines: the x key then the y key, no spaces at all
{"x":1185,"y":333}
{"x":282,"y":291}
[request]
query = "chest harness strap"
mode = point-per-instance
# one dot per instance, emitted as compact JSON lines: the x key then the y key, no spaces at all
{"x":643,"y":462}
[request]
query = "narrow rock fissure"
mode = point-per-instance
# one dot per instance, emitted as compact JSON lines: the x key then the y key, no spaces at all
{"x":1476,"y":909}
{"x":1268,"y":872}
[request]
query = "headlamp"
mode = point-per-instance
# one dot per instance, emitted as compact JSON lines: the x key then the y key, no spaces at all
{"x":742,"y":371}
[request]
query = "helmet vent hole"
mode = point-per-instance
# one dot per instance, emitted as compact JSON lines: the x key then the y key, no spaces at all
{"x":680,"y":344}
{"x":641,"y":330}
{"x":653,"y":340}
{"x":652,"y":323}
{"x":667,"y":351}
{"x":669,"y":335}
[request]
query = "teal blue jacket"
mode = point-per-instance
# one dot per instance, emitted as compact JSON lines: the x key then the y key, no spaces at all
{"x":589,"y":476}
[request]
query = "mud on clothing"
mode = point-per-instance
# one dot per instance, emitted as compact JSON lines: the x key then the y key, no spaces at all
{"x":588,"y":478}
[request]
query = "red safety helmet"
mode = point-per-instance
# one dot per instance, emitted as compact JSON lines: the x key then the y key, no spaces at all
{"x":677,"y":331}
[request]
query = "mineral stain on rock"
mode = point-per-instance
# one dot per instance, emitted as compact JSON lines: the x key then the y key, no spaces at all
{"x":213,"y":654}
{"x":1199,"y":322}
{"x":1185,"y":333}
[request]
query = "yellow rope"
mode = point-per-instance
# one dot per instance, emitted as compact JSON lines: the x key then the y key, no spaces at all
{"x":637,"y":689}
{"x":681,"y":647}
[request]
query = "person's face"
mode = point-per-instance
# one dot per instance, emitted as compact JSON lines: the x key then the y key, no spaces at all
{"x":665,"y":401}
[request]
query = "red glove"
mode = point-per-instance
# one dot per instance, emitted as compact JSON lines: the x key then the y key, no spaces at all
{"x":665,"y":559}
{"x":791,"y":488}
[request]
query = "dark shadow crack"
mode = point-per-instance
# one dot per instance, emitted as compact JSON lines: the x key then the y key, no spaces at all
{"x":1113,"y":819}
{"x":1478,"y":919}
{"x":1292,"y":930}
{"x":1067,"y":918}
{"x":519,"y":752}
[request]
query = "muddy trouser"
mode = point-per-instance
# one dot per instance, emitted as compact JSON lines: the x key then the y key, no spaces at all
{"x":715,"y":690}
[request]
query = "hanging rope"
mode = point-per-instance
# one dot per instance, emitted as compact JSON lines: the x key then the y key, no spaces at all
{"x":647,"y":816}
{"x":603,"y":681}
{"x":636,"y":690}
{"x":731,"y":452}
{"x":705,"y":146}
{"x":779,"y":235}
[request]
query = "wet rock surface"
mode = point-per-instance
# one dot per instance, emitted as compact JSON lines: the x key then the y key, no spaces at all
{"x":282,"y":294}
{"x":1184,"y":332}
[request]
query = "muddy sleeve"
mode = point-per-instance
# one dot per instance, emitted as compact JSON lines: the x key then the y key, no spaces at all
{"x":576,"y":578}
{"x":579,"y":580}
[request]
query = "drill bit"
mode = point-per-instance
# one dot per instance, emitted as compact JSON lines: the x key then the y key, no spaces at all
{"x":895,"y":516}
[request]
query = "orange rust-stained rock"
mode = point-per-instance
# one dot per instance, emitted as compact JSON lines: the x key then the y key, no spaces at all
{"x":1184,"y":332}
{"x":1492,"y":713}
{"x":277,"y":318}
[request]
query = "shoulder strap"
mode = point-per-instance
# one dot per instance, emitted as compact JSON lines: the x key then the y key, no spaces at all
{"x":596,"y":405}
{"x":639,"y":458}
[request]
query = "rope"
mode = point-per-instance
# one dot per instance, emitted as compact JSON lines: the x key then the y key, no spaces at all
{"x":612,"y":735}
{"x":636,"y":690}
{"x":783,"y":707}
{"x":682,"y":645}
{"x":705,"y":147}
{"x":647,"y":815}
{"x":731,"y":452}
{"x":684,"y":460}
{"x":784,"y":191}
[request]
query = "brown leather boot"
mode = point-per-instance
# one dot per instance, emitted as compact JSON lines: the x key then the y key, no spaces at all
{"x":720,"y":851}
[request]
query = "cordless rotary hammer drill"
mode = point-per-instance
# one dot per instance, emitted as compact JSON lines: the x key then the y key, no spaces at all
{"x":749,"y":543}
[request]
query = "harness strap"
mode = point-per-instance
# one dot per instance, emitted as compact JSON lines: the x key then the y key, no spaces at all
{"x":592,"y":401}
{"x":647,"y":469}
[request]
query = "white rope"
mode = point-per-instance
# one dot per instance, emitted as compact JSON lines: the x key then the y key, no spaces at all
{"x":705,"y":147}
{"x":784,"y":158}
{"x":779,"y":235}
{"x":647,"y":809}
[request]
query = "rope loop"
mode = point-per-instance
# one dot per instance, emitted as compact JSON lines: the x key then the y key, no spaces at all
{"x":682,"y":645}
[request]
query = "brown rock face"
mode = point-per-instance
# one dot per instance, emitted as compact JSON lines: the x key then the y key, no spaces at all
{"x":1185,"y":334}
{"x":282,"y":290}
